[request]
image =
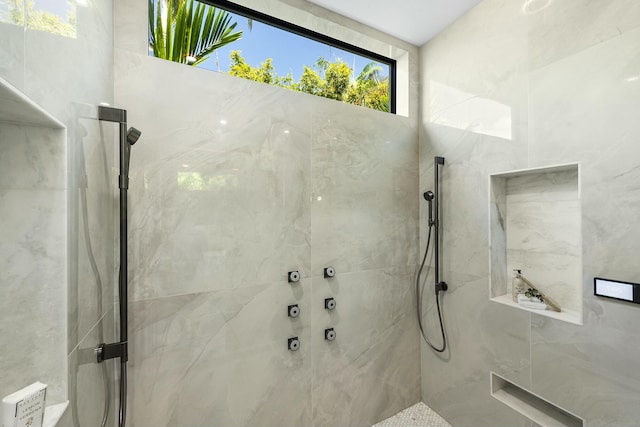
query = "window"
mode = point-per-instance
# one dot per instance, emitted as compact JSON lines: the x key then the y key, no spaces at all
{"x":52,"y":16}
{"x":225,"y":37}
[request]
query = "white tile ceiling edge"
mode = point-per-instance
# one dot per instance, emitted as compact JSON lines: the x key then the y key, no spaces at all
{"x":414,"y":21}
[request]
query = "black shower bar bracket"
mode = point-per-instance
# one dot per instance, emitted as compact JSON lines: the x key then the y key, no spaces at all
{"x":116,"y":115}
{"x":112,"y":351}
{"x":440,"y":287}
{"x":110,"y":114}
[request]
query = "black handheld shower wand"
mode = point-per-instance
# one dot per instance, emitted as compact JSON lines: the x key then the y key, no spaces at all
{"x":428,"y":196}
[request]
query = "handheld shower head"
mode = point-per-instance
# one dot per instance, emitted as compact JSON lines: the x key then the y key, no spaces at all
{"x":429,"y":196}
{"x":133,"y":135}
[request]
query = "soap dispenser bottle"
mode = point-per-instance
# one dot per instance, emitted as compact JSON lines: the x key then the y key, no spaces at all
{"x":517,"y":285}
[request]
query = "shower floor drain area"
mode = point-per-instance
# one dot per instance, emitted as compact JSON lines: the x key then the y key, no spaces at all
{"x":418,"y":415}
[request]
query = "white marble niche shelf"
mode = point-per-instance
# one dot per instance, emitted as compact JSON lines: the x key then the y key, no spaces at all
{"x":535,"y":225}
{"x":542,"y":412}
{"x":33,"y":250}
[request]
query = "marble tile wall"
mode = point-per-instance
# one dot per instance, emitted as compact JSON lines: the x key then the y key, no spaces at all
{"x":234,"y":184}
{"x":510,"y":87}
{"x":69,"y":77}
{"x":32,"y":266}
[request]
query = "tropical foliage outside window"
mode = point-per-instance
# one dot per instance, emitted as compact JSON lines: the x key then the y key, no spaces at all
{"x":194,"y":33}
{"x":53,"y":16}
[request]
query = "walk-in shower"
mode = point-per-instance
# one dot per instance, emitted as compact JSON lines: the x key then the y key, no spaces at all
{"x":120,"y":349}
{"x":433,"y":198}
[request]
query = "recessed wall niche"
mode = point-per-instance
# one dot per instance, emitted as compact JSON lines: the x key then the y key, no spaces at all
{"x":536,"y":226}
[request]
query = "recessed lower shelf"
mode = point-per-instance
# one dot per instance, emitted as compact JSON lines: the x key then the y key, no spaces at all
{"x":565,"y":315}
{"x":540,"y":411}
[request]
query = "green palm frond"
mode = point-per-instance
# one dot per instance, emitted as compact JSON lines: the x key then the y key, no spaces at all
{"x":371,"y":72}
{"x":188,"y":31}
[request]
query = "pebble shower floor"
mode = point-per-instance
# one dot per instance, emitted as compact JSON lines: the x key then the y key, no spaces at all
{"x":418,"y":415}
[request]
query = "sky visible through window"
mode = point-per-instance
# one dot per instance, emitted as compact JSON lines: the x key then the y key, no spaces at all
{"x":289,"y":51}
{"x":186,"y":32}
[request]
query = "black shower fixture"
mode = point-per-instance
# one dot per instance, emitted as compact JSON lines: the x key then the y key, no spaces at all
{"x":120,"y":349}
{"x":433,"y":198}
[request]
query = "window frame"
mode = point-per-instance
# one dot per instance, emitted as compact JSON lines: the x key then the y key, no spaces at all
{"x":313,"y":35}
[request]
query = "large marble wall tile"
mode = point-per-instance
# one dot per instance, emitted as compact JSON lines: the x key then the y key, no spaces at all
{"x":32,"y":157}
{"x":356,"y":384}
{"x":229,"y":345}
{"x":364,"y":189}
{"x":609,"y":176}
{"x":370,"y":371}
{"x":368,"y":303}
{"x":362,"y":386}
{"x":32,"y":275}
{"x":32,"y":258}
{"x":219,"y":193}
{"x":455,"y":115}
{"x":481,"y":51}
{"x":266,"y":387}
{"x":574,"y":114}
{"x":590,"y":370}
{"x":558,"y":29}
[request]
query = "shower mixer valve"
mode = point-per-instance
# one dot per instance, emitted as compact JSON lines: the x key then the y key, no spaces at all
{"x":329,"y":272}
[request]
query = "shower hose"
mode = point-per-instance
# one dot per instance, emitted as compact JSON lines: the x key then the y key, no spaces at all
{"x":419,"y":292}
